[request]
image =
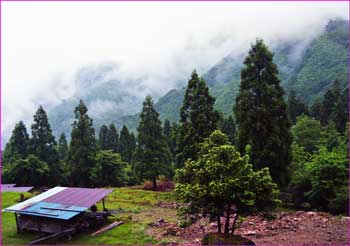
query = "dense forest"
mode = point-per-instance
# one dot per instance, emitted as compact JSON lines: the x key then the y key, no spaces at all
{"x":272,"y":148}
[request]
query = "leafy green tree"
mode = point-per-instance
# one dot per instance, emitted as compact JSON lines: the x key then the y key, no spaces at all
{"x":329,"y":180}
{"x":82,"y":151}
{"x":261,"y":114}
{"x":110,"y":170}
{"x":152,"y":156}
{"x":295,"y":107}
{"x":29,"y":172}
{"x":103,"y":138}
{"x":113,"y":138}
{"x":17,"y":147}
{"x":126,"y":144}
{"x":42,"y":141}
{"x":63,"y":149}
{"x":229,"y":128}
{"x":307,"y":133}
{"x":221,"y":182}
{"x":198,"y":119}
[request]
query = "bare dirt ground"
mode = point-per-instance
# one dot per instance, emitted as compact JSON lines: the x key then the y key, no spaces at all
{"x":298,"y":227}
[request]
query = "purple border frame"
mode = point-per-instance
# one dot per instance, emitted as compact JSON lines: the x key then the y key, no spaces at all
{"x":348,"y":232}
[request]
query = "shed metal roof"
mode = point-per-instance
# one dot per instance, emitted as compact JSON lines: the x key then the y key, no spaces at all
{"x":83,"y":197}
{"x":53,"y":210}
{"x":60,"y":202}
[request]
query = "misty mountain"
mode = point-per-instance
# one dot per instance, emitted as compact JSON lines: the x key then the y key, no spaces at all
{"x":307,"y":67}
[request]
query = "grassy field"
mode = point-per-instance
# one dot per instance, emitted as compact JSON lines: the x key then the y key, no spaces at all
{"x":138,"y":210}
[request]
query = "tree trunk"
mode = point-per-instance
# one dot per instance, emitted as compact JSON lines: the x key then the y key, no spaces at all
{"x":234,"y":222}
{"x":219,"y":223}
{"x":154,"y":180}
{"x":227,"y":222}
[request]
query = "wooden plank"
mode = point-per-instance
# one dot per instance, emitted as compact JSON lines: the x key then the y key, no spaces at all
{"x":58,"y":234}
{"x":107,"y":228}
{"x":62,"y":209}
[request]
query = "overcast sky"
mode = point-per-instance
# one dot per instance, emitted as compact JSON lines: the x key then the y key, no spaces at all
{"x":44,"y":43}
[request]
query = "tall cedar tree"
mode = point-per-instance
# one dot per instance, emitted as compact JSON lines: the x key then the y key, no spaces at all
{"x":126,"y":144}
{"x":17,"y":147}
{"x":43,"y":145}
{"x":113,"y":138}
{"x":43,"y":141}
{"x":229,"y":128}
{"x":63,"y":147}
{"x":198,"y":119}
{"x":295,"y":107}
{"x":327,"y":107}
{"x":82,"y":151}
{"x":103,"y":138}
{"x":152,"y":155}
{"x":167,"y":130}
{"x":261,"y":114}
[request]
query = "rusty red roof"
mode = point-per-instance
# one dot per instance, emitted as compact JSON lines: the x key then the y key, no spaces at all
{"x":83,"y":197}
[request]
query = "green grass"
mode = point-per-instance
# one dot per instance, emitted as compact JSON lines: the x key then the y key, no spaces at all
{"x":138,"y":210}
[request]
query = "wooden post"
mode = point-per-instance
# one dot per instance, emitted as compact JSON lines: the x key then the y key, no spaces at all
{"x":17,"y":225}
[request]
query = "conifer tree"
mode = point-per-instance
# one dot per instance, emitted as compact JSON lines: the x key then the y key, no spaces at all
{"x":261,"y":114}
{"x":152,"y":155}
{"x":327,"y":107}
{"x":103,"y":138}
{"x":295,"y":107}
{"x":17,"y":147}
{"x":82,"y":151}
{"x":198,"y":119}
{"x":43,"y":141}
{"x":315,"y":110}
{"x":126,"y":144}
{"x":113,"y":138}
{"x":229,"y":128}
{"x":62,"y":147}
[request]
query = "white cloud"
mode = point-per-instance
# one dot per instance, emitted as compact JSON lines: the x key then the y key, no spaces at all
{"x":44,"y":43}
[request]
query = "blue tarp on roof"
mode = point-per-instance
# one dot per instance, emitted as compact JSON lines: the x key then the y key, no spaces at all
{"x":52,"y":210}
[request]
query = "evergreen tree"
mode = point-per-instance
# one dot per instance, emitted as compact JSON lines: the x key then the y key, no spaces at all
{"x":17,"y":147}
{"x":103,"y":138}
{"x":152,"y":155}
{"x":82,"y":151}
{"x":63,"y":147}
{"x":126,"y":144}
{"x":261,"y":114}
{"x":229,"y":128}
{"x":340,"y":113}
{"x":167,"y":131}
{"x":43,"y":141}
{"x":327,"y":107}
{"x":295,"y":107}
{"x":198,"y":119}
{"x":316,"y":109}
{"x":175,"y":129}
{"x":113,"y":138}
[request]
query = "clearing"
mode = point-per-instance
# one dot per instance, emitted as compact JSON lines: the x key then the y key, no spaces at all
{"x":150,"y":218}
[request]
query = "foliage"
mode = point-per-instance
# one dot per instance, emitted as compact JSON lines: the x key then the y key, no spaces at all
{"x":295,"y":107}
{"x":152,"y":156}
{"x":63,"y":149}
{"x":126,"y":145}
{"x":82,"y":151}
{"x":222,"y":183}
{"x":198,"y":119}
{"x":307,"y":133}
{"x":17,"y":147}
{"x":113,"y":138}
{"x":29,"y":172}
{"x":103,"y":138}
{"x":229,"y":128}
{"x":261,"y":114}
{"x":110,"y":170}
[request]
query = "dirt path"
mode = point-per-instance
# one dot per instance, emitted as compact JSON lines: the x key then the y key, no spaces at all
{"x":288,"y":228}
